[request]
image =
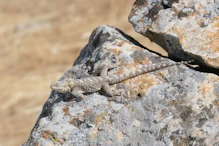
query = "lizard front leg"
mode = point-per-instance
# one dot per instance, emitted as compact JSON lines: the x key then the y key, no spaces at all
{"x":78,"y":94}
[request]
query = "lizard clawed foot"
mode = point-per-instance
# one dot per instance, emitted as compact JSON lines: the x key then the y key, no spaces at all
{"x":119,"y":95}
{"x":78,"y":96}
{"x":119,"y":99}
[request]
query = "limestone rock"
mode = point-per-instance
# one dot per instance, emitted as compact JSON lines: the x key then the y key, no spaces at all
{"x":172,"y":106}
{"x":187,"y":29}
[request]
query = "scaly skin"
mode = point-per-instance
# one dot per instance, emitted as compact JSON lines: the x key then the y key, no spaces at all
{"x":94,"y":83}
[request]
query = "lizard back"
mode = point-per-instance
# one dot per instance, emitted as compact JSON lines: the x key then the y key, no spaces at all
{"x":112,"y":79}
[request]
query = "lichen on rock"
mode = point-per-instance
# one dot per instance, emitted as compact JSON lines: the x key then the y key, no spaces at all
{"x":172,"y":106}
{"x":186,"y":29}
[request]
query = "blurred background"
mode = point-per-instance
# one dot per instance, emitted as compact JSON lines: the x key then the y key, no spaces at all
{"x":40,"y":41}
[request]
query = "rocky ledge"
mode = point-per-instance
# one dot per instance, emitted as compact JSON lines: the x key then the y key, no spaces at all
{"x":187,"y":29}
{"x":172,"y":106}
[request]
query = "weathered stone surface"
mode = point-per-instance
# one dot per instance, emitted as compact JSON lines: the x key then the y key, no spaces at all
{"x":172,"y":106}
{"x":185,"y":28}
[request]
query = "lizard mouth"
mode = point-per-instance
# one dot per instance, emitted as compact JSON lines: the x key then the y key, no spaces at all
{"x":64,"y":90}
{"x":61,"y":90}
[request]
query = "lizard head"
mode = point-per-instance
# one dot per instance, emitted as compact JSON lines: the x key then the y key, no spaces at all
{"x":60,"y":86}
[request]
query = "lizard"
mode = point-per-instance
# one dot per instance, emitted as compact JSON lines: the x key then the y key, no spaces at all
{"x":77,"y":87}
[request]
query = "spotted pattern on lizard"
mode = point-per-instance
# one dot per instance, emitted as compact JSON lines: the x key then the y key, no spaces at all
{"x":78,"y":87}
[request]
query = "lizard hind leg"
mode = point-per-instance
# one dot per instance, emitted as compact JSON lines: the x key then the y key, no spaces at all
{"x":114,"y":94}
{"x":105,"y":69}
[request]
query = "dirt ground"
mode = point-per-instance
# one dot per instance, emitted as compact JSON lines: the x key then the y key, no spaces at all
{"x":39,"y":41}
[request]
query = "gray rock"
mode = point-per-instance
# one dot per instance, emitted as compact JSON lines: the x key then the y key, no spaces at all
{"x":172,"y":106}
{"x":186,"y":29}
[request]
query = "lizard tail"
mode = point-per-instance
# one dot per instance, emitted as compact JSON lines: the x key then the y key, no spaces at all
{"x":145,"y":69}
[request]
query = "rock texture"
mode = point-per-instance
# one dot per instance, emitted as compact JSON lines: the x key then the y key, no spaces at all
{"x":172,"y":106}
{"x":185,"y":28}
